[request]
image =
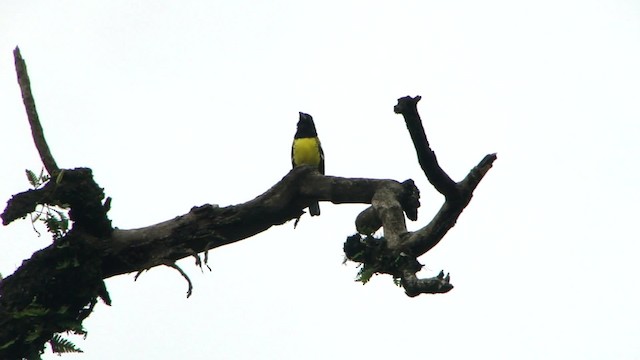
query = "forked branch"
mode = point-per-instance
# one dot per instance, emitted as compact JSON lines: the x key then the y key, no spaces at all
{"x":396,"y":254}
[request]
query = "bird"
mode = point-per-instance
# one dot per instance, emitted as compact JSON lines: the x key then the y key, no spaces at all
{"x":306,"y":150}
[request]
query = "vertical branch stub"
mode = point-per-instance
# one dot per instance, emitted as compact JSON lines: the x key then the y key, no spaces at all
{"x":32,"y":115}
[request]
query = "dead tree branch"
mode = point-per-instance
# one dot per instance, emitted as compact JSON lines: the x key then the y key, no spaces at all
{"x":408,"y":107}
{"x":56,"y":289}
{"x":397,"y":252}
{"x":34,"y":121}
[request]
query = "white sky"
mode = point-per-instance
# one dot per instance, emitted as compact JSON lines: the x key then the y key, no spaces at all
{"x":176,"y":104}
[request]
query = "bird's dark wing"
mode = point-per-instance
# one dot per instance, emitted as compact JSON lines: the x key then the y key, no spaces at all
{"x":321,"y":165}
{"x":293,"y":164}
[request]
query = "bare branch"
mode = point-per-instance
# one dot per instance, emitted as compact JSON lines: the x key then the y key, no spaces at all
{"x":389,"y":210}
{"x":184,"y":275}
{"x":414,"y":286}
{"x":207,"y":227}
{"x":457,"y":195}
{"x":471,"y":181}
{"x":397,"y":252}
{"x":369,"y":220}
{"x":429,"y":236}
{"x":34,"y":121}
{"x":408,"y":107}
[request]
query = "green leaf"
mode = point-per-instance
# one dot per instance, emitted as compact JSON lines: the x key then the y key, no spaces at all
{"x":33,"y":310}
{"x":61,"y":345}
{"x":33,"y":335}
{"x":365,"y":274}
{"x":33,"y":179}
{"x":7,"y":344}
{"x":64,"y":225}
{"x":57,"y":222}
{"x":52,"y":224}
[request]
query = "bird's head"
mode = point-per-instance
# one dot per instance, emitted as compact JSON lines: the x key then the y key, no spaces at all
{"x":305,"y":124}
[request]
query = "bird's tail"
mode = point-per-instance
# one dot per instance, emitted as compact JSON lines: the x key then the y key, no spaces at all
{"x":314,"y":209}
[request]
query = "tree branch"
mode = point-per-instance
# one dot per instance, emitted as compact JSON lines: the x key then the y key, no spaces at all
{"x":397,"y":252}
{"x":435,"y":285}
{"x":56,"y":289}
{"x":429,"y":236}
{"x":74,"y":188}
{"x":30,"y":106}
{"x":184,"y":275}
{"x":207,"y":227}
{"x":408,"y":107}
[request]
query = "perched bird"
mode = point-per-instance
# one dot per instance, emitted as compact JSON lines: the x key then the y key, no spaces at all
{"x":306,"y":150}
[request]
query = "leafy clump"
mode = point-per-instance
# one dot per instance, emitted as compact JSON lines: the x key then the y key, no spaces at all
{"x":374,"y":258}
{"x":56,"y":220}
{"x":39,"y":180}
{"x":365,"y":273}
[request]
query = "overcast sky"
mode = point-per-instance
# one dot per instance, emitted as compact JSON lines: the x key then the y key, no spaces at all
{"x":176,"y":104}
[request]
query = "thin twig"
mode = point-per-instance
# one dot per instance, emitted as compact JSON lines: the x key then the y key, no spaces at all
{"x":184,"y":275}
{"x":30,"y":106}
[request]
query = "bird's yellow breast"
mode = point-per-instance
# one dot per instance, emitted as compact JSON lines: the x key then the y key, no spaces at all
{"x":306,"y":151}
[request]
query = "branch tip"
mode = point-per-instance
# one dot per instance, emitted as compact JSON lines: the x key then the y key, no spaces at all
{"x":32,"y":115}
{"x":184,"y":275}
{"x":435,"y":285}
{"x":407,"y":104}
